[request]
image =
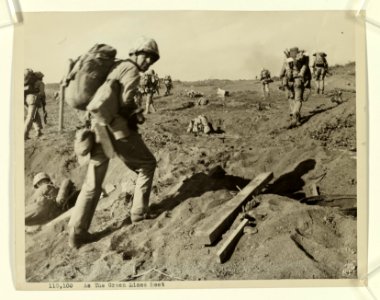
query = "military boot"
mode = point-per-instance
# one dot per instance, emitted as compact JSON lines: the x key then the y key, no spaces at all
{"x":39,"y":133}
{"x":77,"y":239}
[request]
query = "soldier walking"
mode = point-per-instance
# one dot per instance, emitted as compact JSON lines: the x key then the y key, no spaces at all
{"x":294,"y":76}
{"x":265,"y":79}
{"x":34,"y":99}
{"x":122,"y":134}
{"x":320,"y":69}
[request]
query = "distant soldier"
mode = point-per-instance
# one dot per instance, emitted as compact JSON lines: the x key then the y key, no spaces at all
{"x":149,"y":85}
{"x":320,"y":69}
{"x":265,"y":79}
{"x":294,"y":76}
{"x":168,"y":84}
{"x":34,"y":98}
{"x":156,"y":83}
{"x":49,"y":201}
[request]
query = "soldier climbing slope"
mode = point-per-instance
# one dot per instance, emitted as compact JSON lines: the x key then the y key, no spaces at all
{"x":320,"y":69}
{"x":265,"y":79}
{"x":118,"y":132}
{"x":34,"y":99}
{"x":294,"y":77}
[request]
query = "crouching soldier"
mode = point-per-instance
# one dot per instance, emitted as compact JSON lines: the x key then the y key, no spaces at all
{"x":49,"y":201}
{"x":293,"y":75}
{"x":200,"y":125}
{"x":116,"y":132}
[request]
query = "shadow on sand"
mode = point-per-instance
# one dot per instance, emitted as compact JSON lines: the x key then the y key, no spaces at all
{"x":314,"y":112}
{"x":291,"y":184}
{"x":197,"y":185}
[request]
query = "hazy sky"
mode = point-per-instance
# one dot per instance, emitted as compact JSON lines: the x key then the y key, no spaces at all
{"x":193,"y":44}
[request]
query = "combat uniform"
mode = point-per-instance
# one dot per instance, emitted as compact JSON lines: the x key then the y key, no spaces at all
{"x":293,"y":79}
{"x":48,"y":202}
{"x":128,"y":146}
{"x":168,"y":85}
{"x":320,"y":69}
{"x":34,"y":98}
{"x":265,"y":79}
{"x":150,"y":87}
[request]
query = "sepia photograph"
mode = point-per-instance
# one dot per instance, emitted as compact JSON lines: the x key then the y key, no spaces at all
{"x":167,"y":149}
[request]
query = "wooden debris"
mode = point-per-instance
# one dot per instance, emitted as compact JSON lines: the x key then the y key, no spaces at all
{"x":207,"y":234}
{"x":314,"y":189}
{"x":226,"y":250}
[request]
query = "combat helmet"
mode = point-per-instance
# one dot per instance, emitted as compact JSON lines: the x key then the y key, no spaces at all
{"x":39,"y":75}
{"x":39,"y":177}
{"x":147,"y":45}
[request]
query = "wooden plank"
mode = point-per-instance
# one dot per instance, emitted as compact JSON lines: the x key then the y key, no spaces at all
{"x":207,"y":234}
{"x":226,"y":250}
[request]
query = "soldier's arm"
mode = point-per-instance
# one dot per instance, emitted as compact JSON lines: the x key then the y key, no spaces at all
{"x":302,"y":71}
{"x":129,"y":81}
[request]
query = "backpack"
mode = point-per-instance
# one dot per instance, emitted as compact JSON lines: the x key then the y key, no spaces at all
{"x":87,"y":74}
{"x":265,"y":74}
{"x":30,"y":80}
{"x":320,"y":58}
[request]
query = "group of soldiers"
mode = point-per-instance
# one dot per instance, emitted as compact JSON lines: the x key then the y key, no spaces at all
{"x":295,"y":77}
{"x":121,"y":132}
{"x":150,"y":85}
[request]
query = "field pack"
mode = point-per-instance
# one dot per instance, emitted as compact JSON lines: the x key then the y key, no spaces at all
{"x":320,"y":58}
{"x":265,"y":74}
{"x":30,"y":80}
{"x":87,"y":74}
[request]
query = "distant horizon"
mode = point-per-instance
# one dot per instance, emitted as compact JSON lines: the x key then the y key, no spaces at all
{"x":226,"y":79}
{"x":194,"y":45}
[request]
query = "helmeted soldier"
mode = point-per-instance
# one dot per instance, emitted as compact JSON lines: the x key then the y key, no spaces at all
{"x":320,"y":69}
{"x":34,"y":99}
{"x":48,"y":201}
{"x":294,"y":76}
{"x":168,"y":84}
{"x":265,"y":79}
{"x":122,"y":133}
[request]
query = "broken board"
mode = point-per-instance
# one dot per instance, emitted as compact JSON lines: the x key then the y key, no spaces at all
{"x":208,"y":234}
{"x":225,"y":251}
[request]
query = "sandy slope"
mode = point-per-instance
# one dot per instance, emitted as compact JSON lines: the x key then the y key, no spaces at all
{"x":293,"y":240}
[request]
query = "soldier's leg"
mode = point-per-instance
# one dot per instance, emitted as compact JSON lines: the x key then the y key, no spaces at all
{"x":89,"y":195}
{"x":323,"y":81}
{"x":267,"y":89}
{"x":148,"y":103}
{"x":31,"y":110}
{"x":37,"y":123}
{"x":298,"y":98}
{"x":152,"y":104}
{"x":136,"y":156}
{"x":316,"y":76}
